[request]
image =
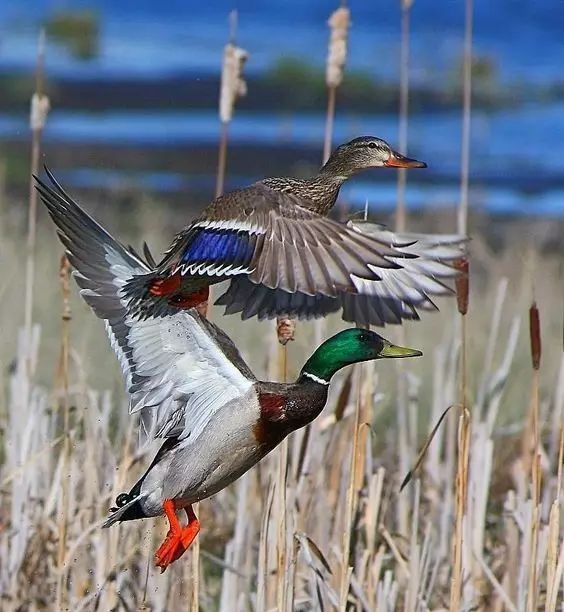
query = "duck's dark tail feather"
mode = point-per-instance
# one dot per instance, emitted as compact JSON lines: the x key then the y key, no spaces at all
{"x":129,"y":504}
{"x":130,"y":511}
{"x":141,"y":302}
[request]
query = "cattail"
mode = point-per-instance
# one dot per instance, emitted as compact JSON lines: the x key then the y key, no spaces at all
{"x":462,"y":284}
{"x":534,"y":331}
{"x":339,"y":22}
{"x":39,"y":109}
{"x":462,"y":214}
{"x":401,"y":214}
{"x":285,"y":329}
{"x":64,"y":276}
{"x":233,"y":86}
{"x":337,"y":54}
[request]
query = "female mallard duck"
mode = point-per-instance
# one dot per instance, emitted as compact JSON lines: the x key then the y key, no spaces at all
{"x":285,"y":258}
{"x":191,"y":385}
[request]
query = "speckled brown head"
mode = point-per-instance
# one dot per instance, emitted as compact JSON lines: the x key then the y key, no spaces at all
{"x":366,"y":152}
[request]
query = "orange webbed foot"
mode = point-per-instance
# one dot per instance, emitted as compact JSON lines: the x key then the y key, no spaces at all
{"x":178,"y":538}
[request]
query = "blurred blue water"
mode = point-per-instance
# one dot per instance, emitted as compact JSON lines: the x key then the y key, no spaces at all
{"x":524,"y":36}
{"x":517,"y":154}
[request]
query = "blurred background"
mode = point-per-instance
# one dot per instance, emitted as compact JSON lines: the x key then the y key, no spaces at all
{"x":133,"y":131}
{"x":134,"y":92}
{"x":134,"y":134}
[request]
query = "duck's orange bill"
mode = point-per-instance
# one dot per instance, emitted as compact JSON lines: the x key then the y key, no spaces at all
{"x":397,"y":160}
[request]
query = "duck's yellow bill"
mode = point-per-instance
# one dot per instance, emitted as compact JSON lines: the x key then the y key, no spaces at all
{"x":391,"y":350}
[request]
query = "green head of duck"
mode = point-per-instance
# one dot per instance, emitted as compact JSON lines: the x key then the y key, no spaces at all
{"x":366,"y":152}
{"x":351,"y":346}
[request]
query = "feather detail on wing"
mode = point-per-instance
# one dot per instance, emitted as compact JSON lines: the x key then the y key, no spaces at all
{"x":398,"y":294}
{"x":268,"y":236}
{"x":179,"y":369}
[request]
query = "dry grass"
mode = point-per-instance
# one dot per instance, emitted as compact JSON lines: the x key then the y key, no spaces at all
{"x":61,"y":468}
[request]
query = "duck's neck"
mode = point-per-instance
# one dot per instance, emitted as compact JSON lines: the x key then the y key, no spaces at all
{"x":323,"y":364}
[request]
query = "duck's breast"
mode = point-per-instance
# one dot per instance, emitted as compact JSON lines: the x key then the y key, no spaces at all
{"x":224,"y":451}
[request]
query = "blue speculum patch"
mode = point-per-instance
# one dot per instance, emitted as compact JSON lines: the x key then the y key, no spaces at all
{"x":219,"y":245}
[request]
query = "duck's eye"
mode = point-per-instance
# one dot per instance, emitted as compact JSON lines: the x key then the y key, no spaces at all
{"x":372,"y":145}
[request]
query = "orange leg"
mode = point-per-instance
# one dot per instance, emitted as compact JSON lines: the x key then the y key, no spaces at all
{"x":178,"y":539}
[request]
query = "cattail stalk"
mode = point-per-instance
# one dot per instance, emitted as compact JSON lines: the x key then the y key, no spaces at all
{"x":2,"y":193}
{"x":282,"y":539}
{"x":339,"y":22}
{"x":352,"y":495}
{"x":404,"y":443}
{"x":403,"y":110}
{"x":63,"y":375}
{"x":38,"y":117}
{"x":534,"y":450}
{"x":466,"y":115}
{"x":233,"y":87}
{"x":462,"y":299}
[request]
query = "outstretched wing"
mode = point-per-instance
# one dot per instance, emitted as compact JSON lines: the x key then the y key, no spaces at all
{"x":178,"y":369}
{"x":269,"y":237}
{"x":180,"y":374}
{"x":399,"y":294}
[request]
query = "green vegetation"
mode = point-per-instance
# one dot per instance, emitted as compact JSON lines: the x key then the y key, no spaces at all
{"x":77,"y":30}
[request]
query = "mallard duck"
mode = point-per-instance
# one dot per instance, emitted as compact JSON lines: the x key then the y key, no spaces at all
{"x":284,"y":257}
{"x":190,"y":384}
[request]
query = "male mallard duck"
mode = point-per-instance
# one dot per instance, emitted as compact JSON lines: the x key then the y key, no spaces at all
{"x":285,"y":258}
{"x":191,"y":385}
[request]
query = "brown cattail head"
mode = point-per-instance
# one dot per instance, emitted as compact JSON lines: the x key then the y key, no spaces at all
{"x":285,"y":328}
{"x":462,"y":284}
{"x":233,"y":86}
{"x":337,"y":53}
{"x":38,"y":112}
{"x":534,"y":330}
{"x":64,"y":277}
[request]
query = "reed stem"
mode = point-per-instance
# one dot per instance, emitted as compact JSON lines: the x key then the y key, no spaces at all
{"x":462,"y":221}
{"x":64,"y":275}
{"x":282,"y":556}
{"x":534,"y":449}
{"x":350,"y":507}
{"x":462,"y":297}
{"x":401,"y":215}
{"x":222,"y":159}
{"x":39,"y":109}
{"x":329,"y":122}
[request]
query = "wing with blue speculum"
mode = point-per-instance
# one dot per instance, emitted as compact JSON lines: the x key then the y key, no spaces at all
{"x":269,"y":237}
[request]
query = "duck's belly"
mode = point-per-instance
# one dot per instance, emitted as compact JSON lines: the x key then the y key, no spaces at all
{"x":224,"y":451}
